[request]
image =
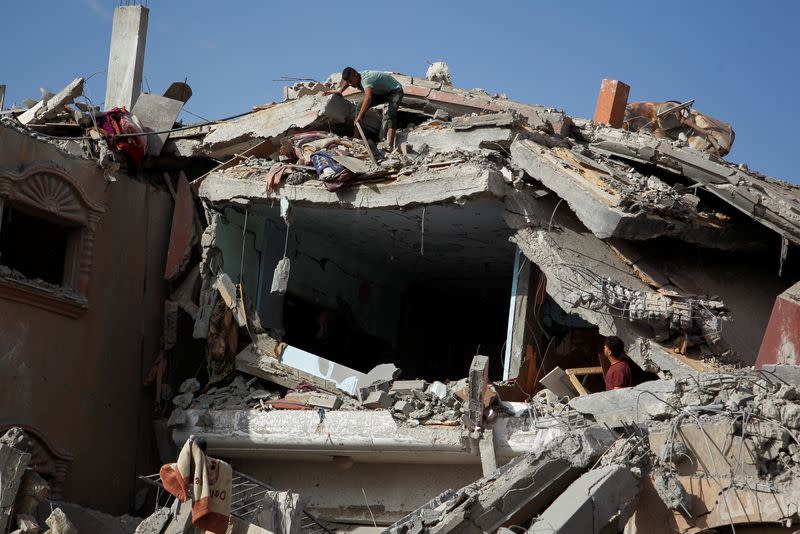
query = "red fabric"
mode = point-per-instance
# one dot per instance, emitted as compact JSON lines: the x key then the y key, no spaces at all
{"x":619,"y":376}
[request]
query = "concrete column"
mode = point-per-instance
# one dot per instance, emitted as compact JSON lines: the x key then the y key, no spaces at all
{"x":478,"y":382}
{"x":126,"y":56}
{"x":611,"y":103}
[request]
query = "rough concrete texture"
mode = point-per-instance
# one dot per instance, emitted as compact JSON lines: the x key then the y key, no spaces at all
{"x":281,"y":512}
{"x":628,"y":405}
{"x":88,"y":520}
{"x":516,"y":491}
{"x":781,"y":374}
{"x":12,"y":466}
{"x":315,"y":112}
{"x":445,"y":139}
{"x":459,"y":182}
{"x":157,"y":114}
{"x":774,"y":204}
{"x":709,"y":449}
{"x":155,"y":523}
{"x":48,"y":109}
{"x":126,"y":56}
{"x":601,"y":500}
{"x":614,"y":200}
{"x":59,"y":523}
{"x":672,"y":493}
{"x":557,"y":254}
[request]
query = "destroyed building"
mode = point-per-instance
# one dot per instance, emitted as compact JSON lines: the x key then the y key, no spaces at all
{"x":409,"y":338}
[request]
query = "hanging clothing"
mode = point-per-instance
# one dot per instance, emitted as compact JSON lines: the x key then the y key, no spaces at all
{"x":211,"y":483}
{"x":118,"y":121}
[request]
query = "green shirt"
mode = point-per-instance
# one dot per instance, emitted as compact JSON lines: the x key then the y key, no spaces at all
{"x":380,"y":82}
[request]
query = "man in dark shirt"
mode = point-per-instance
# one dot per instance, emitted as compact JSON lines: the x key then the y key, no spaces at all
{"x":619,"y":373}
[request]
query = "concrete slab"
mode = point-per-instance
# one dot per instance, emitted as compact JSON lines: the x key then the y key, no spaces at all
{"x":463,"y":181}
{"x":156,"y":113}
{"x":306,"y":113}
{"x":445,"y":139}
{"x":45,"y":109}
{"x":521,"y":488}
{"x":628,"y":405}
{"x":601,"y":500}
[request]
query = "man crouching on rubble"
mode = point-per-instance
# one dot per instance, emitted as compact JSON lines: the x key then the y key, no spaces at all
{"x":619,"y":374}
{"x":379,"y":88}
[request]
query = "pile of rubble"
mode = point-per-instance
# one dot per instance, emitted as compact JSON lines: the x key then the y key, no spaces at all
{"x":25,"y":501}
{"x":710,"y":451}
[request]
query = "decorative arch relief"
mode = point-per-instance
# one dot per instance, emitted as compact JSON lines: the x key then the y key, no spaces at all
{"x":52,"y":195}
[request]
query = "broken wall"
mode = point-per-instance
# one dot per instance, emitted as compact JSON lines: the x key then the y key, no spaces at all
{"x":333,"y":489}
{"x":75,"y":379}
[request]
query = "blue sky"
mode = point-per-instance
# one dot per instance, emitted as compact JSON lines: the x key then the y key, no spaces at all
{"x":737,"y":59}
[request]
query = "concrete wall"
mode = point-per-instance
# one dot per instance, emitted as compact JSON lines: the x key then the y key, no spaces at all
{"x":79,"y":380}
{"x":341,"y":276}
{"x":333,"y":489}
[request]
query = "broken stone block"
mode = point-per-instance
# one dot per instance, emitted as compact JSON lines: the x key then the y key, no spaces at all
{"x":408,"y":387}
{"x":673,"y":493}
{"x":281,"y":512}
{"x":33,"y":489}
{"x":183,"y":401}
{"x":625,"y":405}
{"x":15,"y":437}
{"x":403,"y":407}
{"x":59,"y":524}
{"x":422,"y":413}
{"x":787,"y":392}
{"x":592,"y":503}
{"x":12,"y":467}
{"x":317,"y":399}
{"x":790,"y":415}
{"x":376,"y":400}
{"x":381,"y":385}
{"x":177,"y":417}
{"x":518,"y":490}
{"x":191,"y":385}
{"x":438,"y":389}
{"x":155,"y":523}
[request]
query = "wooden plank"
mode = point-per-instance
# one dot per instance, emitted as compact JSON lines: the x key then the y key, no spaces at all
{"x":579,"y":371}
{"x":575,"y":372}
{"x":577,"y":384}
{"x":366,"y":144}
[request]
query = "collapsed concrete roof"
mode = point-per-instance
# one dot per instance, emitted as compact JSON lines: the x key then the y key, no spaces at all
{"x":620,"y":189}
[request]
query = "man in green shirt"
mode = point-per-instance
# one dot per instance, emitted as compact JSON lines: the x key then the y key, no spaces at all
{"x":379,"y":88}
